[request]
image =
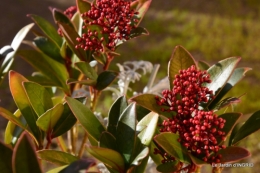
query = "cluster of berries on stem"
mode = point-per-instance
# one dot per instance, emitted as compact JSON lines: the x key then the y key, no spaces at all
{"x":199,"y":130}
{"x":114,"y":20}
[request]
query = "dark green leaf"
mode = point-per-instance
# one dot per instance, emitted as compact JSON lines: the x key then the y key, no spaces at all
{"x":126,"y":134}
{"x":169,"y":143}
{"x":220,"y":73}
{"x":202,"y":65}
{"x":149,"y":102}
{"x":110,"y":158}
{"x":107,"y":140}
{"x":48,"y":29}
{"x":232,"y":154}
{"x":180,"y":59}
{"x":5,"y":158}
{"x":141,"y":112}
{"x":88,"y":120}
{"x":168,"y":167}
{"x":104,"y":79}
{"x":50,"y":68}
{"x":231,"y":120}
{"x":39,"y":97}
{"x":79,"y":165}
{"x":114,"y":113}
{"x":249,"y":127}
{"x":138,"y":31}
{"x":147,"y":127}
{"x":87,"y":70}
{"x":69,"y":33}
{"x":24,"y":156}
{"x":20,"y":97}
{"x":56,"y":157}
{"x":65,"y":122}
{"x":49,"y":48}
{"x":237,"y":75}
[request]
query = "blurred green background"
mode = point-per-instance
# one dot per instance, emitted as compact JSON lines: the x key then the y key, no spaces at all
{"x":209,"y":30}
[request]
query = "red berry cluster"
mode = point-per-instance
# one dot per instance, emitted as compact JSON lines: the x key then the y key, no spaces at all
{"x":114,"y":17}
{"x":69,"y":12}
{"x":199,"y":130}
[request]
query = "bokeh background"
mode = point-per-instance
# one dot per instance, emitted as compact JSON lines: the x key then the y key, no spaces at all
{"x":209,"y":30}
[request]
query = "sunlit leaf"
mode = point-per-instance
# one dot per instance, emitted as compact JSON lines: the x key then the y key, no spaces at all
{"x":139,"y":158}
{"x":56,"y":170}
{"x":39,"y":97}
{"x":202,"y":65}
{"x":149,"y":102}
{"x":180,"y":59}
{"x":110,"y":158}
{"x":170,"y":144}
{"x":88,"y":82}
{"x":20,"y":97}
{"x":83,"y":6}
{"x":141,"y":6}
{"x":87,"y":70}
{"x":24,"y":156}
{"x":56,"y":157}
{"x":168,"y":167}
{"x":147,"y":128}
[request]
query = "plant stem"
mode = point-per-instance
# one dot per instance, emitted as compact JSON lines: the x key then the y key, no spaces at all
{"x":82,"y":147}
{"x":61,"y":144}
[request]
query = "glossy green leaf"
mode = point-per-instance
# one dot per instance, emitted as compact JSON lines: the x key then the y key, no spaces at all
{"x":64,"y":123}
{"x":220,"y":73}
{"x":125,"y":132}
{"x":107,"y":140}
{"x":24,"y":156}
{"x":202,"y":65}
{"x":48,"y":29}
{"x":142,"y":166}
{"x":149,"y":102}
{"x":114,"y":113}
{"x":157,"y":158}
{"x":9,"y":58}
{"x":249,"y":127}
{"x":13,"y":131}
{"x":49,"y":119}
{"x":138,"y":31}
{"x":225,"y":102}
{"x":142,"y":155}
{"x":69,"y":33}
{"x":100,"y":57}
{"x":56,"y":157}
{"x":147,"y":127}
{"x":87,"y":70}
{"x":168,"y":167}
{"x":141,"y":112}
{"x":5,"y":158}
{"x":87,"y":119}
{"x":104,"y":79}
{"x":180,"y":59}
{"x":83,"y":6}
{"x":39,"y":97}
{"x":169,"y":143}
{"x":52,"y":69}
{"x":110,"y":158}
{"x":236,"y":76}
{"x":20,"y":97}
{"x":49,"y":48}
{"x":232,"y":154}
{"x":231,"y":120}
